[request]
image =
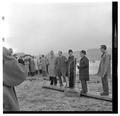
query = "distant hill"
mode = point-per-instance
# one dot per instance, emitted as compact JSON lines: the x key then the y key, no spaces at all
{"x":92,"y":54}
{"x":20,"y":54}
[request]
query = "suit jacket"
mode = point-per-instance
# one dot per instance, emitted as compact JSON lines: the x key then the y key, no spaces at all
{"x":14,"y":74}
{"x":84,"y":69}
{"x":105,"y":66}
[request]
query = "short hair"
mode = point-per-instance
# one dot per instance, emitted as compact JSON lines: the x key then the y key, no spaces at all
{"x":70,"y":51}
{"x":83,"y":51}
{"x":104,"y":47}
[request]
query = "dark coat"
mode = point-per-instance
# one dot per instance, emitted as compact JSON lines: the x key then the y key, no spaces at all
{"x":71,"y":64}
{"x":84,"y":69}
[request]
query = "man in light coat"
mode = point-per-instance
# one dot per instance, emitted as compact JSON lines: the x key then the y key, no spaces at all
{"x":36,"y":65}
{"x":51,"y":69}
{"x":104,"y":69}
{"x":14,"y":73}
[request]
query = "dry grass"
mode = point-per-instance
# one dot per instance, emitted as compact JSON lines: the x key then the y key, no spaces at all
{"x":32,"y":97}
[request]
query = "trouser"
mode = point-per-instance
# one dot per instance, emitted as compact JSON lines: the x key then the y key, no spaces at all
{"x":43,"y":72}
{"x":71,"y":80}
{"x":36,"y":72}
{"x":60,"y":78}
{"x":40,"y":71}
{"x":84,"y":85}
{"x":32,"y":73}
{"x":28,"y":73}
{"x":105,"y":84}
{"x":53,"y":80}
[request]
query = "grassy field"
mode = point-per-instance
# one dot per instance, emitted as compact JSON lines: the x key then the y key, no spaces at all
{"x":32,"y":97}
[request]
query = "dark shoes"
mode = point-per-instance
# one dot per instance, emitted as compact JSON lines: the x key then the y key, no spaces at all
{"x":104,"y":94}
{"x":83,"y":92}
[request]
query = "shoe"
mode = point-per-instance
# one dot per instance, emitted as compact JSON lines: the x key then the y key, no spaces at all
{"x":83,"y":92}
{"x":104,"y":94}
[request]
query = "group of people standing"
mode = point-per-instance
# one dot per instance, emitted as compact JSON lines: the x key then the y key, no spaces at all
{"x":14,"y":73}
{"x":61,"y":67}
{"x":64,"y":69}
{"x":35,"y":66}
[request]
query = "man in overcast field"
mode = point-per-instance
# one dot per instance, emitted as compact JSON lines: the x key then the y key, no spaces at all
{"x":104,"y":70}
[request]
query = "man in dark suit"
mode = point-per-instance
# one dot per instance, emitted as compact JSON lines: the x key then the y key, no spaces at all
{"x":71,"y":69}
{"x":84,"y":71}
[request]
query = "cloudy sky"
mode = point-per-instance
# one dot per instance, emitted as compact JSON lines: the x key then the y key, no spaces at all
{"x":38,"y":28}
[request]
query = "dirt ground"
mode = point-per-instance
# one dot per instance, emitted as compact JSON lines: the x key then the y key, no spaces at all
{"x":32,"y":97}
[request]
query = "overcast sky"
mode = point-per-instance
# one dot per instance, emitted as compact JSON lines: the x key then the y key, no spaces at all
{"x":39,"y":28}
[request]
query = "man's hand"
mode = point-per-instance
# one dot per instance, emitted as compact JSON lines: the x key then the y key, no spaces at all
{"x":78,"y":66}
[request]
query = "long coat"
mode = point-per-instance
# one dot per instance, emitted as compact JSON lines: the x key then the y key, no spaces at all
{"x":32,"y":65}
{"x":27,"y":66}
{"x":84,"y":69}
{"x":51,"y":66}
{"x":105,"y":66}
{"x":70,"y":64}
{"x":39,"y":64}
{"x":61,"y":65}
{"x":14,"y":74}
{"x":36,"y":63}
{"x":44,"y":63}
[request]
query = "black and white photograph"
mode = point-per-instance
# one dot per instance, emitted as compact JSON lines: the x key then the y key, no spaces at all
{"x":59,"y":57}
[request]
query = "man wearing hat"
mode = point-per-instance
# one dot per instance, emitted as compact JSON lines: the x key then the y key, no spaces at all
{"x":71,"y":68}
{"x":84,"y":71}
{"x":104,"y":70}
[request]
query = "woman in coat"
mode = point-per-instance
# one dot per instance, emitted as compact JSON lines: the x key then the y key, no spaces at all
{"x":84,"y":71}
{"x":14,"y":73}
